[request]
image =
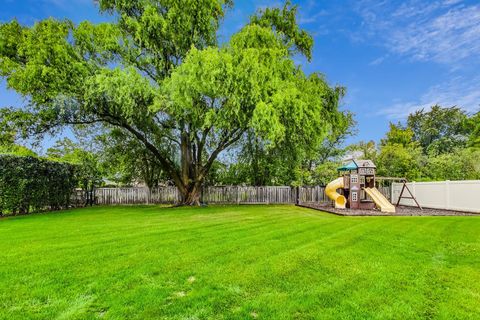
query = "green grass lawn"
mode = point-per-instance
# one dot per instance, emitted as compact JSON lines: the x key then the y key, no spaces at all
{"x":237,"y":262}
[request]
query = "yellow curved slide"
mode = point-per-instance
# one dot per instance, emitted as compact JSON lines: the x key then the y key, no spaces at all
{"x":382,"y":203}
{"x":331,"y":192}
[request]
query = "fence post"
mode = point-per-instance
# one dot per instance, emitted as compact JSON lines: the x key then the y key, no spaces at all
{"x":414,"y":190}
{"x":447,"y":194}
{"x":391,"y":192}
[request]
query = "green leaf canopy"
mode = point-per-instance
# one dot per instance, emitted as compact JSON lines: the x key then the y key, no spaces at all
{"x":158,"y":74}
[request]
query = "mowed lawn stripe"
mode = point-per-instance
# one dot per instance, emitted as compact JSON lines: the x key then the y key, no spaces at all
{"x":237,"y":262}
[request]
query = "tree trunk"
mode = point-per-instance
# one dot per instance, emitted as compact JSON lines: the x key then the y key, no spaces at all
{"x":190,"y":173}
{"x":191,"y":195}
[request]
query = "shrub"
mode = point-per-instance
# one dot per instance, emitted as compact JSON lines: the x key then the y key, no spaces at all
{"x":458,"y":165}
{"x":30,"y":184}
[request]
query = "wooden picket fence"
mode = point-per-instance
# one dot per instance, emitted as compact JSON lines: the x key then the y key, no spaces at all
{"x":215,"y":195}
{"x":221,"y":195}
{"x":134,"y":195}
{"x":249,"y":195}
{"x":312,"y":194}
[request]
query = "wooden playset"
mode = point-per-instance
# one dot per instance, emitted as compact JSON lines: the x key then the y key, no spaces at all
{"x":357,"y":185}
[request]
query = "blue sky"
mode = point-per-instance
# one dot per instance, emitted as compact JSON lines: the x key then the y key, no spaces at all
{"x":393,"y":56}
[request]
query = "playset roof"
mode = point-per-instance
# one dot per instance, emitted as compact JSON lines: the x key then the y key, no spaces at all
{"x":365,"y":163}
{"x":350,"y":166}
{"x":355,"y":164}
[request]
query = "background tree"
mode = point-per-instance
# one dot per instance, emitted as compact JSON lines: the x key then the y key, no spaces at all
{"x":172,"y":89}
{"x":321,"y":166}
{"x":260,"y":164}
{"x":332,"y":147}
{"x":400,"y":135}
{"x":434,"y":145}
{"x":325,"y":172}
{"x":400,"y":156}
{"x":461,"y":164}
{"x":363,"y":150}
{"x":440,"y":130}
{"x":395,"y":160}
{"x":89,"y":173}
{"x":473,"y":126}
{"x":9,"y":146}
{"x":125,"y":161}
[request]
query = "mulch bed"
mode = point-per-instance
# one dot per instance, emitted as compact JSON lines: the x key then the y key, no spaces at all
{"x":400,"y":211}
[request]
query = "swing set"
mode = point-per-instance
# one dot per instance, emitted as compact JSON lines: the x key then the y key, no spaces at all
{"x":404,"y":187}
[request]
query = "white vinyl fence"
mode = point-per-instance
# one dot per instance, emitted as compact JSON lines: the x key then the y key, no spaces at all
{"x":451,"y":195}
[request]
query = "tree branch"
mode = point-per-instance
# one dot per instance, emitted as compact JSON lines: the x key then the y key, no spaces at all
{"x":230,"y":139}
{"x":166,"y":163}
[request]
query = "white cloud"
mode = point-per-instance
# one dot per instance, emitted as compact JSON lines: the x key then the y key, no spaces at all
{"x":459,"y":91}
{"x":443,"y":31}
{"x":311,"y":17}
{"x":378,"y":60}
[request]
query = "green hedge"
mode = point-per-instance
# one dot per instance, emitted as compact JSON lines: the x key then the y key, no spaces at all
{"x":29,"y":184}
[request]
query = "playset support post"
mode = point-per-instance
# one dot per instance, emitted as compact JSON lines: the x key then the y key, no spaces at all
{"x":411,"y":195}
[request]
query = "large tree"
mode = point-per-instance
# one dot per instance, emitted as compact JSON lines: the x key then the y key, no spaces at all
{"x":439,"y":130}
{"x":158,"y":74}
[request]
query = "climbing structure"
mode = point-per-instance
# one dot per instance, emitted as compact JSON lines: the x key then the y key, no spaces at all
{"x":358,"y":187}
